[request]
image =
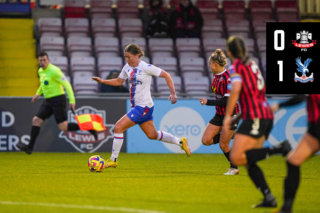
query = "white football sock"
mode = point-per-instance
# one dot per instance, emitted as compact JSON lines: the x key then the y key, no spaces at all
{"x":116,"y":146}
{"x":168,"y":138}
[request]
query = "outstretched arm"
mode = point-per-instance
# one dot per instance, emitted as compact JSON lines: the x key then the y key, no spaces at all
{"x":111,"y":82}
{"x":173,"y":96}
{"x":291,"y":102}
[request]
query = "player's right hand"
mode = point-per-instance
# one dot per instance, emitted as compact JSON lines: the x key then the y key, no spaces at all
{"x":203,"y":101}
{"x":97,"y":79}
{"x":34,"y":98}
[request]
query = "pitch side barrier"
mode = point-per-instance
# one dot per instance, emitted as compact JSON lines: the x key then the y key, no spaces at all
{"x":185,"y":118}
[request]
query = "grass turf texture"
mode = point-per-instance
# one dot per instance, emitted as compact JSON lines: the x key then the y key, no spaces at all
{"x":158,"y":182}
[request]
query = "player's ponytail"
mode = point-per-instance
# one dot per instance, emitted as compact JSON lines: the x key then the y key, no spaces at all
{"x":238,"y":49}
{"x":218,"y":57}
{"x":134,"y":50}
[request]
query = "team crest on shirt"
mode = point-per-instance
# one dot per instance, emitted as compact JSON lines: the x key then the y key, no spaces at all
{"x":303,"y":68}
{"x":83,"y":141}
{"x":305,"y":37}
{"x":221,"y":79}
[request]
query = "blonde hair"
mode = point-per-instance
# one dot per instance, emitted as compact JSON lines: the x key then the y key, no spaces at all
{"x":218,"y":57}
{"x":134,"y":50}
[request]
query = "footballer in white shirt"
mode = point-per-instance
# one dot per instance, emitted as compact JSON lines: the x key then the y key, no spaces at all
{"x":140,"y":75}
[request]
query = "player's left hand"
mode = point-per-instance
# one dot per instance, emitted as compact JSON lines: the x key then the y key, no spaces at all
{"x":227,"y":121}
{"x":274,"y":107}
{"x":173,"y":98}
{"x":72,"y":107}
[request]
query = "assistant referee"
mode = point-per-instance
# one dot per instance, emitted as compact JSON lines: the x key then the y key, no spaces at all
{"x":52,"y":81}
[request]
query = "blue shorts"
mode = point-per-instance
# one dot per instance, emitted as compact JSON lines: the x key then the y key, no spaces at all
{"x":139,"y":115}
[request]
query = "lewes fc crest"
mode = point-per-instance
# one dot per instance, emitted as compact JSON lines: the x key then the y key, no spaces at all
{"x":303,"y":68}
{"x":83,"y":141}
{"x":305,"y":37}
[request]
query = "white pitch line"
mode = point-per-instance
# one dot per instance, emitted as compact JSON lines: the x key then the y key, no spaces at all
{"x":73,"y":206}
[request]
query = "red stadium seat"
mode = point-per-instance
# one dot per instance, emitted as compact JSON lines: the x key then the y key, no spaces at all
{"x":233,"y":6}
{"x":127,"y":8}
{"x":103,"y":27}
{"x":208,"y":8}
{"x":74,"y":8}
{"x":287,"y":10}
{"x":100,"y":8}
{"x":259,"y":6}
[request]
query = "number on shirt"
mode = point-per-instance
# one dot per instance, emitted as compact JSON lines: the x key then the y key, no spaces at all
{"x":260,"y":82}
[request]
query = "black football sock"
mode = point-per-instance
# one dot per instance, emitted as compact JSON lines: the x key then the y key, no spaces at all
{"x":291,"y":184}
{"x":258,"y":179}
{"x":255,"y":155}
{"x":216,"y":139}
{"x":73,"y":127}
{"x":227,"y":154}
{"x":34,"y":134}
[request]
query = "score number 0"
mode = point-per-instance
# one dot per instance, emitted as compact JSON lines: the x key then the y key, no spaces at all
{"x":280,"y":47}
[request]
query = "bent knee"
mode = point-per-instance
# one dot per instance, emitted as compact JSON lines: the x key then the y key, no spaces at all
{"x":152,"y":136}
{"x":63,"y":128}
{"x":207,"y":142}
{"x":236,"y":159}
{"x":36,"y":121}
{"x":118,"y":129}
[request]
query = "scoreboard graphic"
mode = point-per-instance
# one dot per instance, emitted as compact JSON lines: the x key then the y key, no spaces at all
{"x":293,"y":58}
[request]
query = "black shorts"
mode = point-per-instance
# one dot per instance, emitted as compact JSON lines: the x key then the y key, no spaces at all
{"x":314,"y":130}
{"x":217,"y":120}
{"x":256,"y":128}
{"x":55,"y":105}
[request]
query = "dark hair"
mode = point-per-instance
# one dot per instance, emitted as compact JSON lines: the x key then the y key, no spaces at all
{"x":151,"y":3}
{"x":219,"y":57}
{"x":237,"y":46}
{"x":134,"y":50}
{"x":42,"y":53}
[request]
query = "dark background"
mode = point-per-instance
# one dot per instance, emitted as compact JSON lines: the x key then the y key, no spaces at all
{"x":288,"y":56}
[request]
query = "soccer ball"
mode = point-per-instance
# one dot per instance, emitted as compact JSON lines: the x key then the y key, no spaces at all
{"x":95,"y":163}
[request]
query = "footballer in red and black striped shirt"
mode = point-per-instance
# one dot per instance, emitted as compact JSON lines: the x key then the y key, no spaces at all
{"x":221,"y":85}
{"x":309,"y":145}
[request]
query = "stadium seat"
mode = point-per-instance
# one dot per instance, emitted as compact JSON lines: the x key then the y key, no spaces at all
{"x":162,"y":86}
{"x":130,"y":27}
{"x":262,"y":44}
{"x":212,"y":28}
{"x":108,"y":63}
{"x":286,"y":10}
{"x":103,"y":27}
{"x":52,"y":45}
{"x":188,"y":47}
{"x":83,"y":83}
{"x":106,"y":46}
{"x":260,"y":27}
{"x":211,"y":44}
{"x":82,"y":64}
{"x":140,"y":41}
{"x":250,"y":44}
{"x":260,"y":10}
{"x":100,"y":8}
{"x":127,"y":9}
{"x":76,"y":27}
{"x":145,"y":59}
{"x":192,"y":66}
{"x":162,"y":47}
{"x":233,"y":10}
{"x":74,"y":8}
{"x":82,"y":74}
{"x":78,"y":46}
{"x":194,"y":85}
{"x":50,"y":27}
{"x":168,"y":64}
{"x":236,"y":27}
{"x":208,"y":7}
{"x":61,"y":62}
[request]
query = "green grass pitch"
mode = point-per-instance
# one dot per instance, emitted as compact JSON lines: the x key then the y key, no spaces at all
{"x":146,"y":183}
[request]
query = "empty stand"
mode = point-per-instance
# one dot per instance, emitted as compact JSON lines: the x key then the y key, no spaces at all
{"x":105,"y":46}
{"x":78,"y":46}
{"x":50,"y":27}
{"x":77,"y":27}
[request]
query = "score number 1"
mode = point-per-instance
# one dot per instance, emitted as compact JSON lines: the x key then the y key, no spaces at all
{"x":279,"y":48}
